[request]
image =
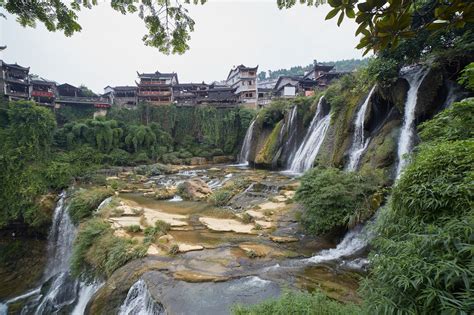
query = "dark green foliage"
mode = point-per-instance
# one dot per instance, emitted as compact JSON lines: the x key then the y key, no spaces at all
{"x":85,"y":201}
{"x":271,"y":115}
{"x":384,"y":70}
{"x":301,"y":303}
{"x":422,"y":259}
{"x":188,"y":131}
{"x":133,"y":228}
{"x":25,"y":147}
{"x":455,"y":123}
{"x":97,"y":253}
{"x":467,"y":77}
{"x":331,"y":197}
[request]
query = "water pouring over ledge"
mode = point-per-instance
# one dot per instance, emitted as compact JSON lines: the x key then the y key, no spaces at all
{"x":58,"y":290}
{"x":304,"y":157}
{"x":245,"y":150}
{"x":360,"y":141}
{"x":415,"y":77}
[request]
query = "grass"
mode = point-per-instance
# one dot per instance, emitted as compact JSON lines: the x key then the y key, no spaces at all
{"x":298,"y":303}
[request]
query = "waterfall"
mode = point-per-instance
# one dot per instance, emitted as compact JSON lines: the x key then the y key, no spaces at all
{"x":292,"y":131}
{"x":405,"y":142}
{"x":245,"y":151}
{"x":59,"y":289}
{"x":60,"y":240}
{"x":304,"y":157}
{"x":354,"y":241}
{"x":140,"y":302}
{"x":85,"y":294}
{"x":360,"y":141}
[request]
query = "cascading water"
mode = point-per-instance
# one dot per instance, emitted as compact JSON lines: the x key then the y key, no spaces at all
{"x":355,"y":240}
{"x":140,"y":302}
{"x":60,"y":240}
{"x":59,"y":289}
{"x":405,"y":143}
{"x":360,"y":141}
{"x":292,"y":131}
{"x":245,"y":151}
{"x":304,"y":157}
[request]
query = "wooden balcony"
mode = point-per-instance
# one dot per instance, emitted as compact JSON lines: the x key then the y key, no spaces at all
{"x":42,"y":94}
{"x":154,"y":93}
{"x":17,"y":94}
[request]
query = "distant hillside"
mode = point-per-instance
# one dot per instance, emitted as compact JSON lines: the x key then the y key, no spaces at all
{"x":341,"y":65}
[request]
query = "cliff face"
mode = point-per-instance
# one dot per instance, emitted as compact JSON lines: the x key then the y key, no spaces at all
{"x":272,"y":146}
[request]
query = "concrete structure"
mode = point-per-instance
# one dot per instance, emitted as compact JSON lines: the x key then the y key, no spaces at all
{"x":244,"y":80}
{"x":156,"y":88}
{"x":14,"y":81}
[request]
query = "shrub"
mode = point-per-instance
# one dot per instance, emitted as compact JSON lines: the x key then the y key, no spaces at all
{"x":455,"y":123}
{"x":135,"y":228}
{"x":422,"y":256}
{"x":98,"y":253}
{"x":422,"y":261}
{"x":221,"y":197}
{"x":160,"y":229}
{"x":174,"y":250}
{"x":291,"y":302}
{"x":331,"y":196}
{"x":118,"y":157}
{"x":246,"y":218}
{"x":85,"y":201}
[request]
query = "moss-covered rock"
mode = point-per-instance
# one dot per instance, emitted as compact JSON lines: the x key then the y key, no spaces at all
{"x":268,"y":155}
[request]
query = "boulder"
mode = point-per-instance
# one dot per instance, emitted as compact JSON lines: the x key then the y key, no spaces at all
{"x":221,"y":159}
{"x":194,"y":189}
{"x":198,"y":161}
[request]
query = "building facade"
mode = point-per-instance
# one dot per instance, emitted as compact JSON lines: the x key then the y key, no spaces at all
{"x":156,"y":88}
{"x":43,"y":91}
{"x":122,"y":96}
{"x":14,"y":81}
{"x":244,"y":81}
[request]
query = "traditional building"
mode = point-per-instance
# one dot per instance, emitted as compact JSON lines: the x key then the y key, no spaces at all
{"x":187,"y":94}
{"x":122,"y":96}
{"x":287,"y":86}
{"x":69,"y":95}
{"x":222,"y":95}
{"x":244,"y":80}
{"x":156,"y":88}
{"x":43,"y":91}
{"x":14,"y":81}
{"x":317,"y":70}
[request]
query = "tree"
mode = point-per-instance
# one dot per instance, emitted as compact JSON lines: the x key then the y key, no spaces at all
{"x":168,"y":23}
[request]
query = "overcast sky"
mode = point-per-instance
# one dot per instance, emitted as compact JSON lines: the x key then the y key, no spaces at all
{"x":109,"y":49}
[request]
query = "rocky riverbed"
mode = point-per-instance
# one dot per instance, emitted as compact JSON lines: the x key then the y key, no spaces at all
{"x":240,"y":248}
{"x":221,"y":235}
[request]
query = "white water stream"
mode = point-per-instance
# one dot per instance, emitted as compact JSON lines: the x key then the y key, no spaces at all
{"x":360,"y":141}
{"x":245,"y":150}
{"x":140,"y":302}
{"x":405,"y":143}
{"x":304,"y":157}
{"x":63,"y":290}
